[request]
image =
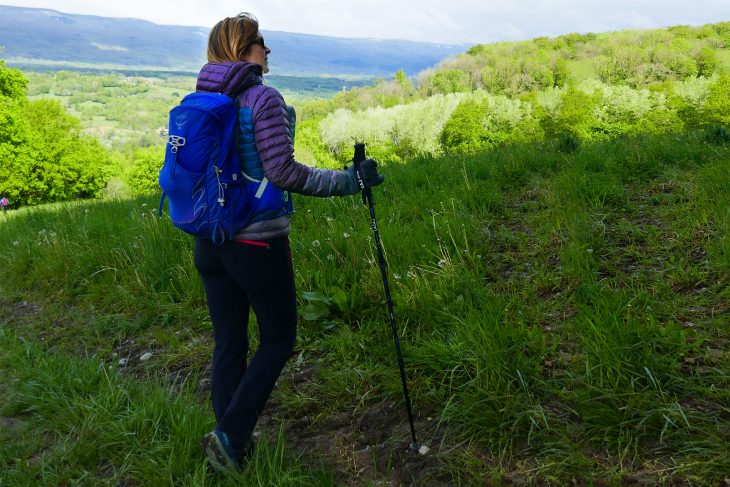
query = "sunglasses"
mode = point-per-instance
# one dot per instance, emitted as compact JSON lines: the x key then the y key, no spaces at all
{"x":260,"y":42}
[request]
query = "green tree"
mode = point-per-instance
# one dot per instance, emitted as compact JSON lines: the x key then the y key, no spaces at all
{"x":146,"y":164}
{"x":723,"y":30}
{"x":43,"y":156}
{"x":451,"y":81}
{"x":12,"y":82}
{"x":464,"y":132}
{"x":707,"y":62}
{"x":403,"y":82}
{"x":498,"y":75}
{"x":561,"y":74}
{"x":575,"y":115}
{"x":716,"y":110}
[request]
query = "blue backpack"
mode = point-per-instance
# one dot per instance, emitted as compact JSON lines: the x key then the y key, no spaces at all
{"x":209,"y":195}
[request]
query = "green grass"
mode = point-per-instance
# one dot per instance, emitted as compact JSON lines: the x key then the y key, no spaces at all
{"x":79,"y":421}
{"x":563,"y":316}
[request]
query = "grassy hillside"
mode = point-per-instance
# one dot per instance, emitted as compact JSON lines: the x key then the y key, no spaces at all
{"x":635,"y":58}
{"x":559,"y":251}
{"x":564,"y":318}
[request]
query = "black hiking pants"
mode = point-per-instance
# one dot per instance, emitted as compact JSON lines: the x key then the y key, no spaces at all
{"x":239,"y":276}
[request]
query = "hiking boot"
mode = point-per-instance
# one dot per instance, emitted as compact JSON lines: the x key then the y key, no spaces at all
{"x":221,"y":453}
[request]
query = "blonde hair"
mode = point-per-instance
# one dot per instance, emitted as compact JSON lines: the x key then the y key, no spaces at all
{"x":229,"y":38}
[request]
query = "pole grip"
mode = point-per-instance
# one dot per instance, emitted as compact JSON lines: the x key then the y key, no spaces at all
{"x":357,"y":158}
{"x":359,"y":154}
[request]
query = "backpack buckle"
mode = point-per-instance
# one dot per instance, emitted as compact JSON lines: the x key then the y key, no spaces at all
{"x":175,"y":141}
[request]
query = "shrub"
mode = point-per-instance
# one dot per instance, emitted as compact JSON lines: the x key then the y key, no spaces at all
{"x":561,"y":74}
{"x":717,"y":134}
{"x":716,"y":109}
{"x":620,"y":65}
{"x":310,"y":149}
{"x":575,"y":114}
{"x":568,"y":143}
{"x":464,"y":132}
{"x":405,"y":127}
{"x":707,"y":62}
{"x":146,"y":164}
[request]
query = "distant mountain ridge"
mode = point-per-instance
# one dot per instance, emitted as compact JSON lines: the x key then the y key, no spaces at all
{"x":43,"y":37}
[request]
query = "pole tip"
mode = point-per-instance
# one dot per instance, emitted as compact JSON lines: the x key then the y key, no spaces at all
{"x":418,"y":448}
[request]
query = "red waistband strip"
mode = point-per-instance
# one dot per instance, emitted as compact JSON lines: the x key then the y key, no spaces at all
{"x":254,"y":242}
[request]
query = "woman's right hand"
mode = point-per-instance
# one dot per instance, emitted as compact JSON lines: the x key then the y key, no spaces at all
{"x":368,"y":173}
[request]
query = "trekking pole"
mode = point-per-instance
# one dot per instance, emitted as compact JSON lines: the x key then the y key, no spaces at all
{"x":367,"y":198}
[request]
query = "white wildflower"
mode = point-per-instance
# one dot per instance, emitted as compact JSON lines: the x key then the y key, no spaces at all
{"x":315,"y":243}
{"x":346,"y":235}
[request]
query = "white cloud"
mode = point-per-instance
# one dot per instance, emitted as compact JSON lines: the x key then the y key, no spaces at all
{"x":455,"y":21}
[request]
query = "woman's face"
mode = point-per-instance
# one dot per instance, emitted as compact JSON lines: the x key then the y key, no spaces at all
{"x":258,"y":53}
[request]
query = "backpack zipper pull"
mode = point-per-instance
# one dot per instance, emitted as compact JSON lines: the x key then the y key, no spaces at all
{"x":221,"y":187}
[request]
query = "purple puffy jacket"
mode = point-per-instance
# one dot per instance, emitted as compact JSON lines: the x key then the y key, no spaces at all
{"x":271,"y":131}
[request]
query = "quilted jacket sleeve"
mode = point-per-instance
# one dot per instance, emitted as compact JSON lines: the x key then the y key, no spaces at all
{"x":271,"y":131}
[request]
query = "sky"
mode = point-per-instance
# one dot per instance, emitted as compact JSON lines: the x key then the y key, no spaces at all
{"x":438,"y":21}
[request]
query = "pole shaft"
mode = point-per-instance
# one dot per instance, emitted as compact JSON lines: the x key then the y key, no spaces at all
{"x":383,"y":270}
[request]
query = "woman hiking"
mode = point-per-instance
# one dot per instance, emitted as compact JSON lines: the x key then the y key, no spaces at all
{"x":254,"y":270}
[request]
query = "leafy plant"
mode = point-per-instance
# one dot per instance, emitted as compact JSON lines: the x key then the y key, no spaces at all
{"x":464,"y":132}
{"x":145,"y":169}
{"x":568,"y":143}
{"x":717,"y":134}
